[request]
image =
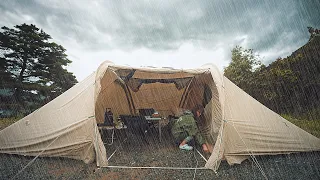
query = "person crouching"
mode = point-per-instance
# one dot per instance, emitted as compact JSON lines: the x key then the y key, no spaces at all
{"x":185,"y":130}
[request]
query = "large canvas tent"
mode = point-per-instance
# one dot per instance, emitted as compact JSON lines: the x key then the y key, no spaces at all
{"x":236,"y":124}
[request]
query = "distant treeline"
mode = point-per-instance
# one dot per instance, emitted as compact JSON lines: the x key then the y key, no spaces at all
{"x":288,"y":86}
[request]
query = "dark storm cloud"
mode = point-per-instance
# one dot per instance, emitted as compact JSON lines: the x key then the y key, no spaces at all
{"x":97,"y":25}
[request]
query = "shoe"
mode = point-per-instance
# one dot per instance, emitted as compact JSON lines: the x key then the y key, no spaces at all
{"x":186,"y":147}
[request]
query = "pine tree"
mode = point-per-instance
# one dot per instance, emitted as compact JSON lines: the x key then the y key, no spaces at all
{"x":33,"y":65}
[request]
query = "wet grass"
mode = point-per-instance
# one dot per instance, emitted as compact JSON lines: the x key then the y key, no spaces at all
{"x":5,"y":122}
{"x":134,"y":152}
{"x":311,"y":126}
{"x":159,"y":154}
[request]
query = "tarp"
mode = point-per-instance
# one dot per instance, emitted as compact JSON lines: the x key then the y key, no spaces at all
{"x":235,"y":123}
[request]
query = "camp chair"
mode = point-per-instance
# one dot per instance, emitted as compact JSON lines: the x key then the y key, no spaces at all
{"x":136,"y":125}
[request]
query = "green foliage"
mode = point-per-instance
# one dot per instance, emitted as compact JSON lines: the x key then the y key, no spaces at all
{"x":296,"y":79}
{"x":244,"y":64}
{"x":290,"y":85}
{"x":5,"y":122}
{"x":33,"y":66}
{"x":311,"y":126}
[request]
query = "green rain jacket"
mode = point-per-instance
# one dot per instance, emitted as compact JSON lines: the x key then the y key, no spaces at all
{"x":186,"y":126}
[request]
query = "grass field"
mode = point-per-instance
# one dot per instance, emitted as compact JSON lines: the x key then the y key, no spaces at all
{"x":311,"y":126}
{"x":5,"y":122}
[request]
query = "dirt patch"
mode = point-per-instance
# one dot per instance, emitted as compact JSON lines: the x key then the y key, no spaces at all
{"x":111,"y":175}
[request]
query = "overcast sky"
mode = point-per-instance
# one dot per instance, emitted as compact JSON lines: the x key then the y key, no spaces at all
{"x":172,"y":33}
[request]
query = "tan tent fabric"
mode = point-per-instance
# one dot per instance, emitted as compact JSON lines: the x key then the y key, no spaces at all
{"x":162,"y":97}
{"x":65,"y":127}
{"x":111,"y":96}
{"x":250,"y":128}
{"x":237,"y":125}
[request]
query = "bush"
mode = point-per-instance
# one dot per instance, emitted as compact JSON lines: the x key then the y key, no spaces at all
{"x":311,"y":126}
{"x":5,"y":122}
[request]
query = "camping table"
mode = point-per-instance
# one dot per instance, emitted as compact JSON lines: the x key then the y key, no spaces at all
{"x":155,"y":119}
{"x":102,"y":128}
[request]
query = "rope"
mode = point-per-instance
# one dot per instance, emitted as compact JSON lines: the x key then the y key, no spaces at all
{"x":202,"y":156}
{"x":222,"y":127}
{"x":195,"y":171}
{"x":252,"y":155}
{"x":32,"y":161}
{"x":144,"y":167}
{"x":116,"y":150}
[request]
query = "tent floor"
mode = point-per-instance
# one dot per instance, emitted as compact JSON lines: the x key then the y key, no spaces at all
{"x":130,"y":149}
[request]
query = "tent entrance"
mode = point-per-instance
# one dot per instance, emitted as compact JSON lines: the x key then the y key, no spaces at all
{"x":128,"y":91}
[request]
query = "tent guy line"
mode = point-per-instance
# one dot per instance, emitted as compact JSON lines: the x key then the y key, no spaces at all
{"x":33,"y":160}
{"x":116,"y":149}
{"x":155,"y":167}
{"x":201,"y":155}
{"x":253,"y":157}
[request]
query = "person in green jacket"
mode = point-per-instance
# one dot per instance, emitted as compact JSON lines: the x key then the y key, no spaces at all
{"x":185,"y":129}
